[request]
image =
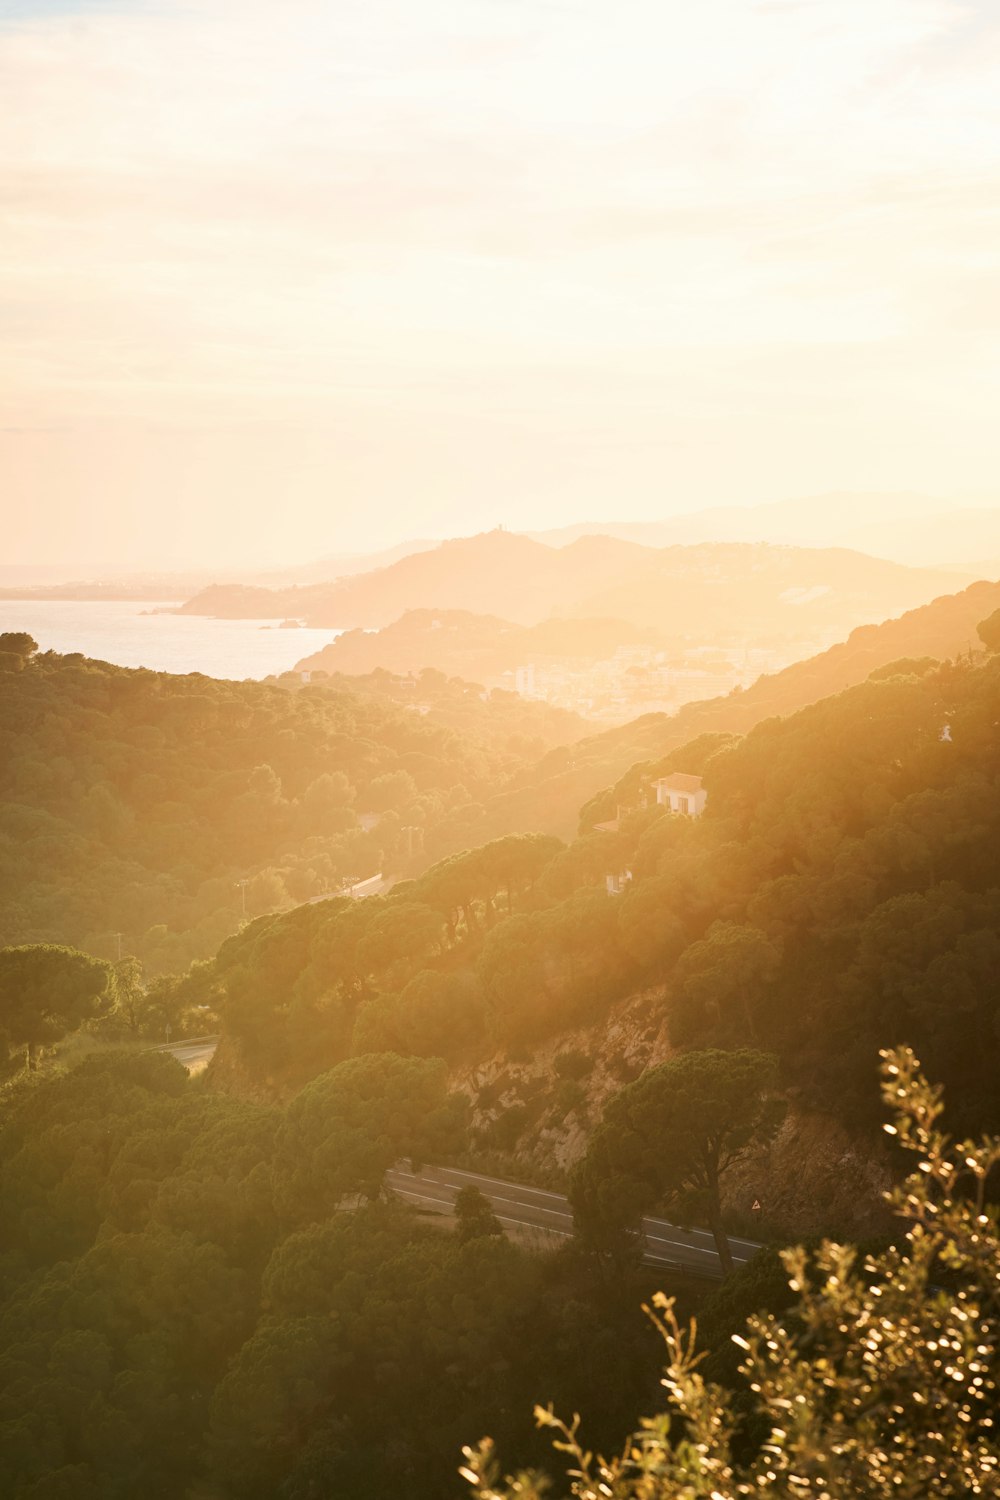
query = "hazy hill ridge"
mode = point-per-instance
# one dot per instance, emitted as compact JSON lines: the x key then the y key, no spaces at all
{"x":498,"y":572}
{"x":180,"y":785}
{"x":753,"y":591}
{"x":547,"y":797}
{"x":840,"y":892}
{"x":919,"y":530}
{"x":473,"y":646}
{"x":942,"y":629}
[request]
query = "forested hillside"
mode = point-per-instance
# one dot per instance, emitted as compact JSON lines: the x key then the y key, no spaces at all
{"x":547,"y":796}
{"x":180,"y":1304}
{"x":133,"y":801}
{"x":155,"y":806}
{"x":841,"y":892}
{"x":183,"y":1309}
{"x":941,"y":630}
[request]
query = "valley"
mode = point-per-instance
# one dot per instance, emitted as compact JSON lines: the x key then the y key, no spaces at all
{"x":499,"y":751}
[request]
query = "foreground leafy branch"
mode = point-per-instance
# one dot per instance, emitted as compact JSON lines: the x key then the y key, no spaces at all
{"x":880,"y":1382}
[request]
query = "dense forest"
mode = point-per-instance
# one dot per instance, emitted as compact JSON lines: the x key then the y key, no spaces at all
{"x":841,"y":892}
{"x":182,"y":1310}
{"x":537,"y":1035}
{"x":186,"y":1308}
{"x":139,"y":803}
{"x":209,"y":1297}
{"x":877,"y":1376}
{"x":162,"y":808}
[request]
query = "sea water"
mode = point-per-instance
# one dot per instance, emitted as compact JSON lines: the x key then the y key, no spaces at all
{"x":133,"y":634}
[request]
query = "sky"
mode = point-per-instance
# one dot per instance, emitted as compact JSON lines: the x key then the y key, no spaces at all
{"x":278,"y":281}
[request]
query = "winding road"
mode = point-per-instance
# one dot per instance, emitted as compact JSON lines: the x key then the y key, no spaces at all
{"x":543,"y":1218}
{"x":195,"y":1054}
{"x":535,"y":1216}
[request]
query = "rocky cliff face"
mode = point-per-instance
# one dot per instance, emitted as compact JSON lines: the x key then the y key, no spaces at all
{"x":531,"y":1115}
{"x":228,"y":1073}
{"x":536,"y":1113}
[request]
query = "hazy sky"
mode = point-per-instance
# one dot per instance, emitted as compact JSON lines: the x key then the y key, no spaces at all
{"x":287,"y":278}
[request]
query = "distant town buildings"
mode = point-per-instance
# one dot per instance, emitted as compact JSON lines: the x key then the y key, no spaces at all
{"x":639,"y":679}
{"x":524,"y":681}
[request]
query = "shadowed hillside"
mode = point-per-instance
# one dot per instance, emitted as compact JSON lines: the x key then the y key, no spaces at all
{"x":162,"y":807}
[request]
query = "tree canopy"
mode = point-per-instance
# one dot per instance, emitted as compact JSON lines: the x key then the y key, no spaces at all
{"x":666,"y":1141}
{"x":187,"y":1305}
{"x":346,"y":1128}
{"x":880,"y":1380}
{"x":155,"y":806}
{"x":47,"y":990}
{"x":840,"y":891}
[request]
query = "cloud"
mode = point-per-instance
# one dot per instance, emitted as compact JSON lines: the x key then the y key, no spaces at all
{"x":368,"y":217}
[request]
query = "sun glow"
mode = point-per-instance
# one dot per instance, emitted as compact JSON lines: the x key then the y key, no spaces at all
{"x":327,"y":265}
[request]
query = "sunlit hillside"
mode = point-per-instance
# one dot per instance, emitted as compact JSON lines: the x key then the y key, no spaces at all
{"x":843,"y":877}
{"x":547,"y":796}
{"x":148,"y":813}
{"x":499,"y":750}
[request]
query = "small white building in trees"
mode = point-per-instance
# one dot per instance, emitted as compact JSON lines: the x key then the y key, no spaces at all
{"x":681,"y":793}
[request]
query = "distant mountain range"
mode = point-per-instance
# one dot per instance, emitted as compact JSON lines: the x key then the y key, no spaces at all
{"x":918,"y":530}
{"x":913,"y":529}
{"x":497,"y":572}
{"x":733,"y":592}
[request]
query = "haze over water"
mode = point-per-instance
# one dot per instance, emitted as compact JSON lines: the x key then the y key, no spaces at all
{"x":128,"y":634}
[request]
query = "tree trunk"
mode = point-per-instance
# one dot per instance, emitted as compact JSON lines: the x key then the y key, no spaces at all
{"x":721,"y":1243}
{"x":748,"y":1014}
{"x":714,"y":1209}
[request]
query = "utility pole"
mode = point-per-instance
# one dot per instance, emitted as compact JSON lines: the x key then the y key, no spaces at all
{"x":241,"y":886}
{"x":118,"y":936}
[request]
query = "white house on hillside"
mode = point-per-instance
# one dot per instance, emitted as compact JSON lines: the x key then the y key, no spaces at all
{"x":681,"y":793}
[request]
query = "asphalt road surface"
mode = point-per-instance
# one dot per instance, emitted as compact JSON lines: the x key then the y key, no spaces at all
{"x":533,"y":1215}
{"x":540,"y":1217}
{"x":195,"y":1055}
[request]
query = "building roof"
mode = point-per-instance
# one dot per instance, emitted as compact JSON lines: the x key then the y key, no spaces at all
{"x":679,"y":781}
